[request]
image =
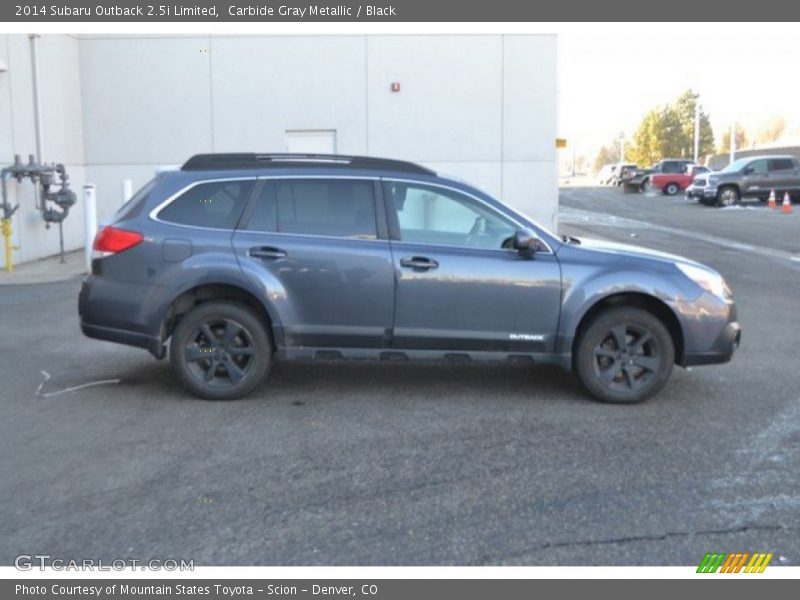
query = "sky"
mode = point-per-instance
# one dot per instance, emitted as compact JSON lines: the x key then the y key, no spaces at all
{"x":611,"y":74}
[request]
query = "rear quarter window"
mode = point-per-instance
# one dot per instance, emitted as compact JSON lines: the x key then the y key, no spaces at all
{"x":216,"y":204}
{"x":134,"y":206}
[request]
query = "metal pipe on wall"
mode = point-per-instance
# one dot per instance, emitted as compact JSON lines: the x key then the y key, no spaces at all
{"x":37,"y":122}
{"x":37,"y":96}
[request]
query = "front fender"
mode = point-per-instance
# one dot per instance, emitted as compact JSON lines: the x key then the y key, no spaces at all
{"x":590,"y":281}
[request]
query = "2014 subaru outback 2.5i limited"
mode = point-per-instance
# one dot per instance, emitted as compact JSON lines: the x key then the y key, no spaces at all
{"x":237,"y":260}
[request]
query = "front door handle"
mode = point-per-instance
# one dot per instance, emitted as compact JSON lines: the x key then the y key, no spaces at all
{"x":418,"y":262}
{"x":267,"y":252}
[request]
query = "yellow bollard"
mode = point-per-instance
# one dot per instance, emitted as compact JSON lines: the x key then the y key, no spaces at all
{"x":6,"y":230}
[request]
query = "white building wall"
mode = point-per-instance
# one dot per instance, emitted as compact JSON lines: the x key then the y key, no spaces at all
{"x":62,"y":129}
{"x":482,"y":108}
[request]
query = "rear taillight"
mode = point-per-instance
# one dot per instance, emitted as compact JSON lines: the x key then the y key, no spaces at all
{"x":110,"y":240}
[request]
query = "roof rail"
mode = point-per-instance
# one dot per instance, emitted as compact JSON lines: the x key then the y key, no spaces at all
{"x":252,"y":160}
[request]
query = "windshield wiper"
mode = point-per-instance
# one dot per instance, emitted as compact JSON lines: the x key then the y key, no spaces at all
{"x":569,"y":239}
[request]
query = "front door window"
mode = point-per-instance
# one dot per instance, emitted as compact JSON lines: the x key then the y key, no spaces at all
{"x":433,"y":215}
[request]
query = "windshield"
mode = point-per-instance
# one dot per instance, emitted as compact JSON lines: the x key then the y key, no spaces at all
{"x":736,"y":166}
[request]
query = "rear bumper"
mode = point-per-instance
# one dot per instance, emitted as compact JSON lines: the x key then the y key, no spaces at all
{"x":152,"y":344}
{"x":721,"y":351}
{"x":116,"y":312}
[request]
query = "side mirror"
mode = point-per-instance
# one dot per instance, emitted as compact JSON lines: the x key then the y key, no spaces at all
{"x":525,"y":242}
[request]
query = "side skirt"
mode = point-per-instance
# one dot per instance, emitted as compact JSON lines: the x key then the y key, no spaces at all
{"x":458,"y":357}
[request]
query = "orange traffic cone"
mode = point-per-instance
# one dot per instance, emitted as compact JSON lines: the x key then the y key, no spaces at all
{"x":771,"y":202}
{"x":786,"y":207}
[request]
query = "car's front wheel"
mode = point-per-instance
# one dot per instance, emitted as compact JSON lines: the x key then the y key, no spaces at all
{"x":728,"y":196}
{"x":671,"y":189}
{"x":221,"y":350}
{"x":624,"y":356}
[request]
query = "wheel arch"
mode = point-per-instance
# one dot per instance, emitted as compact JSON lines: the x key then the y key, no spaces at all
{"x":651,"y":304}
{"x":731,"y":184}
{"x":209,"y":291}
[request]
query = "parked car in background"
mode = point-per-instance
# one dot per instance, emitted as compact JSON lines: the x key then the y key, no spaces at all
{"x":605,"y":174}
{"x":622,"y":172}
{"x":670,"y":184}
{"x":751,"y":177}
{"x":612,"y":174}
{"x":238,"y":260}
{"x":638,"y":179}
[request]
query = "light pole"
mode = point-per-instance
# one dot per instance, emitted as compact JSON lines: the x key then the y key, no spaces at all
{"x":573,"y":159}
{"x":621,"y":147}
{"x":733,"y":142}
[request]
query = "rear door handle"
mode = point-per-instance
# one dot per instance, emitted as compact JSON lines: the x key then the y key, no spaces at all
{"x":418,"y":262}
{"x":267,"y":252}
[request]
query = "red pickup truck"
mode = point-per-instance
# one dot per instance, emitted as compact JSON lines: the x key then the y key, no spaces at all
{"x":672,"y":183}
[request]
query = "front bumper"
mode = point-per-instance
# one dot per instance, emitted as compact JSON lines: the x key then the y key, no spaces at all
{"x":706,"y":193}
{"x":721,"y":351}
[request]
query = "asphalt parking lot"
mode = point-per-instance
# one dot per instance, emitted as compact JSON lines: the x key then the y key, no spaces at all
{"x":410,"y":463}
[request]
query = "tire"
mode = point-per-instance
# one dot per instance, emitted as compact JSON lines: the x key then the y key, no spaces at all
{"x":624,"y":356}
{"x":671,"y":189}
{"x":728,"y":195}
{"x":644,"y":187}
{"x":230,"y":365}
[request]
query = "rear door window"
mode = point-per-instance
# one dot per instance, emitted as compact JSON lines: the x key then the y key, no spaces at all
{"x":781,"y":164}
{"x":216,"y":204}
{"x":330,"y":207}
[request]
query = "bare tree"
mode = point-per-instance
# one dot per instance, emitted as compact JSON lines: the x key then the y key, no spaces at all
{"x":772,"y":131}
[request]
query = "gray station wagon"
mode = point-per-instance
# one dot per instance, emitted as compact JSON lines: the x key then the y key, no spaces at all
{"x":235,"y":261}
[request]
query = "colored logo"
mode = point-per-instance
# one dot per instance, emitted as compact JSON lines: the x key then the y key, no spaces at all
{"x":737,"y":562}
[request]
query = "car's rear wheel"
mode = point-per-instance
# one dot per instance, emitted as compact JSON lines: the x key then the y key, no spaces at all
{"x":728,"y":196}
{"x":221,"y":350}
{"x":671,"y":189}
{"x":624,"y":356}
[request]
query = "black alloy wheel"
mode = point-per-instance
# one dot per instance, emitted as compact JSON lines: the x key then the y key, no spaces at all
{"x":625,"y":356}
{"x":220,"y":350}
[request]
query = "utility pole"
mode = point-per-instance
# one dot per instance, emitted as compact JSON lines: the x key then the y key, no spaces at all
{"x":696,"y":130}
{"x":621,"y":147}
{"x":733,"y":142}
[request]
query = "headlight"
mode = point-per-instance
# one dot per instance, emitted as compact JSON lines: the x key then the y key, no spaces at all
{"x":710,"y":281}
{"x":713,"y":180}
